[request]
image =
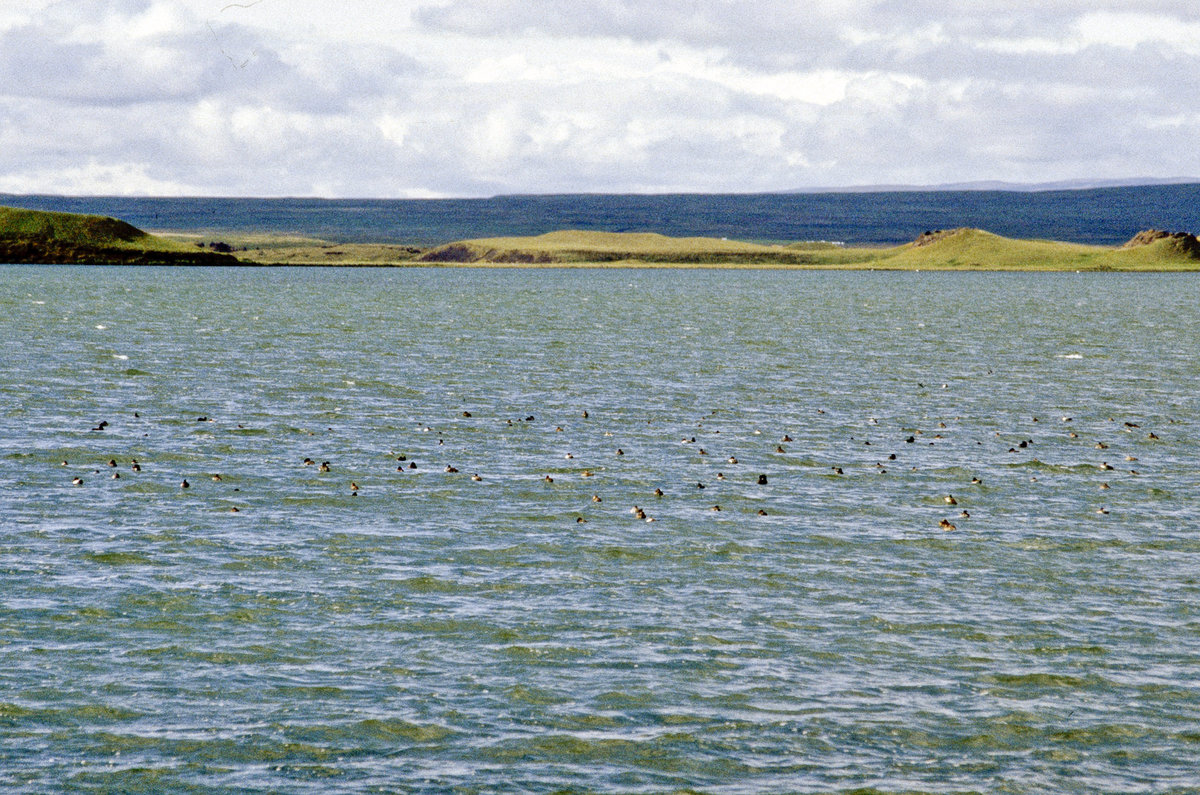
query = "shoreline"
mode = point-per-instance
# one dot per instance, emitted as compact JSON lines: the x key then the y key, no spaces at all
{"x":40,"y":237}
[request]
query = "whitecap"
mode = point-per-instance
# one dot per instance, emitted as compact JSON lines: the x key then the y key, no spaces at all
{"x":102,"y":328}
{"x":120,"y":356}
{"x":1070,"y":356}
{"x":40,"y":303}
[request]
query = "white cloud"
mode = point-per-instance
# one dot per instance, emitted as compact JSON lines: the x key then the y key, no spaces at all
{"x":92,"y":178}
{"x":450,"y":97}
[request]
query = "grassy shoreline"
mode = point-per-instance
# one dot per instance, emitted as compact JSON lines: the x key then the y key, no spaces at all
{"x":28,"y":236}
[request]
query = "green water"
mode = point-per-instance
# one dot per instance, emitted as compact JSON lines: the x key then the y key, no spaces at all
{"x":429,"y":632}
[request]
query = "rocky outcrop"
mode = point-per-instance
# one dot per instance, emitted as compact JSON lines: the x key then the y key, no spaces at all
{"x":1184,"y":242}
{"x":929,"y":237}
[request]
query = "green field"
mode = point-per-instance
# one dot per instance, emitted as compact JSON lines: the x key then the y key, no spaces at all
{"x":49,"y":237}
{"x":959,"y":249}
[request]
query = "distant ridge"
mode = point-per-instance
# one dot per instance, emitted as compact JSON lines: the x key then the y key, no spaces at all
{"x":1012,"y":187}
{"x":1100,"y":216}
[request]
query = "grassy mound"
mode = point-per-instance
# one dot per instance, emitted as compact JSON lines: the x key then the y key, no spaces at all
{"x":574,"y":246}
{"x":957,"y":249}
{"x":974,"y":249}
{"x":37,"y":237}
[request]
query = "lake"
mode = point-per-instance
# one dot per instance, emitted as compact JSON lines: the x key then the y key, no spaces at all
{"x":388,"y":625}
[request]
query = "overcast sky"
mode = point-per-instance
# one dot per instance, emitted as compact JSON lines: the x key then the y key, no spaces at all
{"x":400,"y":98}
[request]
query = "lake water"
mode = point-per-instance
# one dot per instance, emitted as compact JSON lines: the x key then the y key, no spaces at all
{"x":1103,"y":216}
{"x":430,"y":632}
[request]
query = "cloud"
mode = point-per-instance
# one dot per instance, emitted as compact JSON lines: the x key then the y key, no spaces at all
{"x":449,"y":97}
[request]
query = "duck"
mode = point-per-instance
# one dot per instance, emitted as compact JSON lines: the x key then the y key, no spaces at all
{"x":947,"y":525}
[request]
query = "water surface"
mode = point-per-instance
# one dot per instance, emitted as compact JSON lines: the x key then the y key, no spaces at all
{"x":430,"y":632}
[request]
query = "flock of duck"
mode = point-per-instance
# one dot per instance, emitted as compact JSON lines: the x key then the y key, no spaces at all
{"x":752,"y":451}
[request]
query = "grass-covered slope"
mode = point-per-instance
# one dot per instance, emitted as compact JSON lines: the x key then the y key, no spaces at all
{"x":575,"y":246}
{"x":958,"y":249}
{"x":37,"y":237}
{"x":974,"y":249}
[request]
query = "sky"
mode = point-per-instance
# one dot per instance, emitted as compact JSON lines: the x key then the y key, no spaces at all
{"x":431,"y":98}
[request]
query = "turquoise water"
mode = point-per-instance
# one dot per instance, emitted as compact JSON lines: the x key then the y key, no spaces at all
{"x":430,"y":632}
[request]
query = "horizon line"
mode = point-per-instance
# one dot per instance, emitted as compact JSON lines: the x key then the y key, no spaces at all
{"x":971,"y":186}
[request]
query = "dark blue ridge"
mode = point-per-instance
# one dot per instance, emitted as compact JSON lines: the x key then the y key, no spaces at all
{"x":1102,"y":216}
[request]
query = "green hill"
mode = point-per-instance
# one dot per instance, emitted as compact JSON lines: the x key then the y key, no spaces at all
{"x":37,"y":237}
{"x":974,"y":249}
{"x":958,"y":249}
{"x":574,"y":246}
